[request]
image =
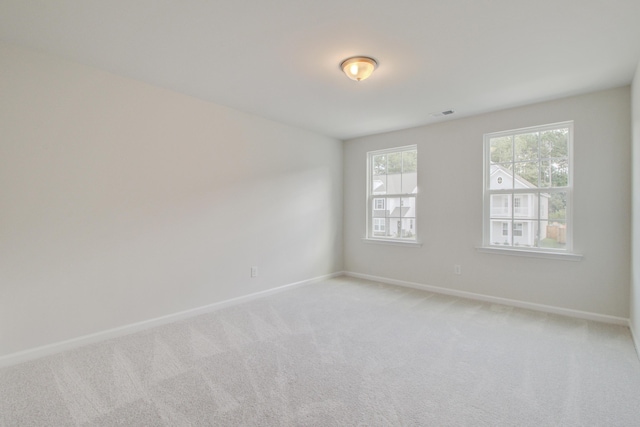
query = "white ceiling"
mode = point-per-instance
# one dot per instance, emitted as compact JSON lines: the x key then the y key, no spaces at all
{"x":280,"y":58}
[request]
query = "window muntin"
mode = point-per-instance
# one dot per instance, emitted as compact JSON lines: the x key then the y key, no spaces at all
{"x":391,"y":193}
{"x":528,"y":188}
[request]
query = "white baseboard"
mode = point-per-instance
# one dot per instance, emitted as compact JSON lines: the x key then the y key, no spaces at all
{"x":497,"y":300}
{"x":49,"y":349}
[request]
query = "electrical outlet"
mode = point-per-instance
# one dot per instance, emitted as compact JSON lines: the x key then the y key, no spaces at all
{"x":254,"y":271}
{"x":457,"y":269}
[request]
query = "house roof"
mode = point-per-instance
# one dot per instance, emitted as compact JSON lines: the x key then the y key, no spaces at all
{"x":495,"y":169}
{"x":399,"y":212}
{"x":280,"y":59}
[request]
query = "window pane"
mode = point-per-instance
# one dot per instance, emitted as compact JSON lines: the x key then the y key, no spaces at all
{"x":378,"y":214}
{"x":554,"y":143}
{"x":394,"y":163}
{"x":553,"y":234}
{"x":526,"y":174}
{"x":501,"y":177}
{"x":526,"y":147}
{"x":554,"y":173}
{"x":409,"y":183}
{"x":525,"y":233}
{"x":500,"y":232}
{"x":525,"y":206}
{"x":408,"y":228}
{"x":553,"y":220}
{"x":395,"y":227}
{"x":559,"y":172}
{"x":545,"y":173}
{"x":410,"y":161}
{"x":379,"y":227}
{"x":379,"y":184}
{"x":408,"y":207}
{"x":394,"y":183}
{"x":393,"y":207}
{"x":557,"y":205}
{"x":379,"y":164}
{"x":501,"y":149}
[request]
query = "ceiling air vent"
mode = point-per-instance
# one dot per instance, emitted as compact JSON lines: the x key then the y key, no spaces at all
{"x":442,"y":113}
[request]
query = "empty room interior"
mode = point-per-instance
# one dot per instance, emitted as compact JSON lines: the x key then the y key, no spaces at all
{"x":320,"y":213}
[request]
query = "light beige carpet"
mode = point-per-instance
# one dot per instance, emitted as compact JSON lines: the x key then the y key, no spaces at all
{"x":343,"y":352}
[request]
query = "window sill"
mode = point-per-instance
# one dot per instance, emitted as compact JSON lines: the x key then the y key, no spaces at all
{"x":531,"y":254}
{"x":392,"y":242}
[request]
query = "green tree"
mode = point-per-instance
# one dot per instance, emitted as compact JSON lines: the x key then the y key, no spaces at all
{"x":409,"y":161}
{"x":558,"y":206}
{"x":541,"y":158}
{"x":526,"y":147}
{"x":554,"y":143}
{"x":394,"y":163}
{"x":501,"y":149}
{"x":380,"y":164}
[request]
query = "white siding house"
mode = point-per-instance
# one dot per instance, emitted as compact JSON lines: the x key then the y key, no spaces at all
{"x":394,"y":211}
{"x":516,"y":217}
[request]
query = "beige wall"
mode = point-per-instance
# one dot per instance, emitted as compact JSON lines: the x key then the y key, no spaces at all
{"x":121,"y":202}
{"x":450,"y":209}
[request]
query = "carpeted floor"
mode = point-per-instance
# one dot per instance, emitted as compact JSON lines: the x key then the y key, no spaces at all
{"x":343,"y":352}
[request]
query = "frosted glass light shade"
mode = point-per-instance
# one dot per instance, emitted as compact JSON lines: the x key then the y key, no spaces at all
{"x":359,"y":67}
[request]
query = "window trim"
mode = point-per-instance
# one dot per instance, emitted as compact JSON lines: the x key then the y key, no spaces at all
{"x":487,"y":246}
{"x":369,"y":199}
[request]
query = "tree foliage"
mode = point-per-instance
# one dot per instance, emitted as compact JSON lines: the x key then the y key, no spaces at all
{"x":541,"y":158}
{"x":558,"y":206}
{"x":399,"y":162}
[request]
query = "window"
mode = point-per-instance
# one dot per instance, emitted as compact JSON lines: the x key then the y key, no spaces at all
{"x":528,"y":188}
{"x":379,"y":226}
{"x":391,"y":194}
{"x":517,"y":229}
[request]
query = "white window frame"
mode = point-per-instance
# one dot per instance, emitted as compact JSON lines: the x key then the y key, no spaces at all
{"x":489,"y":246}
{"x":370,"y":197}
{"x":375,"y":203}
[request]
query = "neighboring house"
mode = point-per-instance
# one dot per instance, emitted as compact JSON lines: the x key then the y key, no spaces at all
{"x":524,"y":208}
{"x":395,"y":216}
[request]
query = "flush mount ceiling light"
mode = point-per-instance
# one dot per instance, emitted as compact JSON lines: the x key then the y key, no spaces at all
{"x":358,"y":67}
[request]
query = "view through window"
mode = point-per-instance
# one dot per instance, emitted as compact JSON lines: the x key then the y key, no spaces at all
{"x":392,"y":190}
{"x":527,"y":198}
